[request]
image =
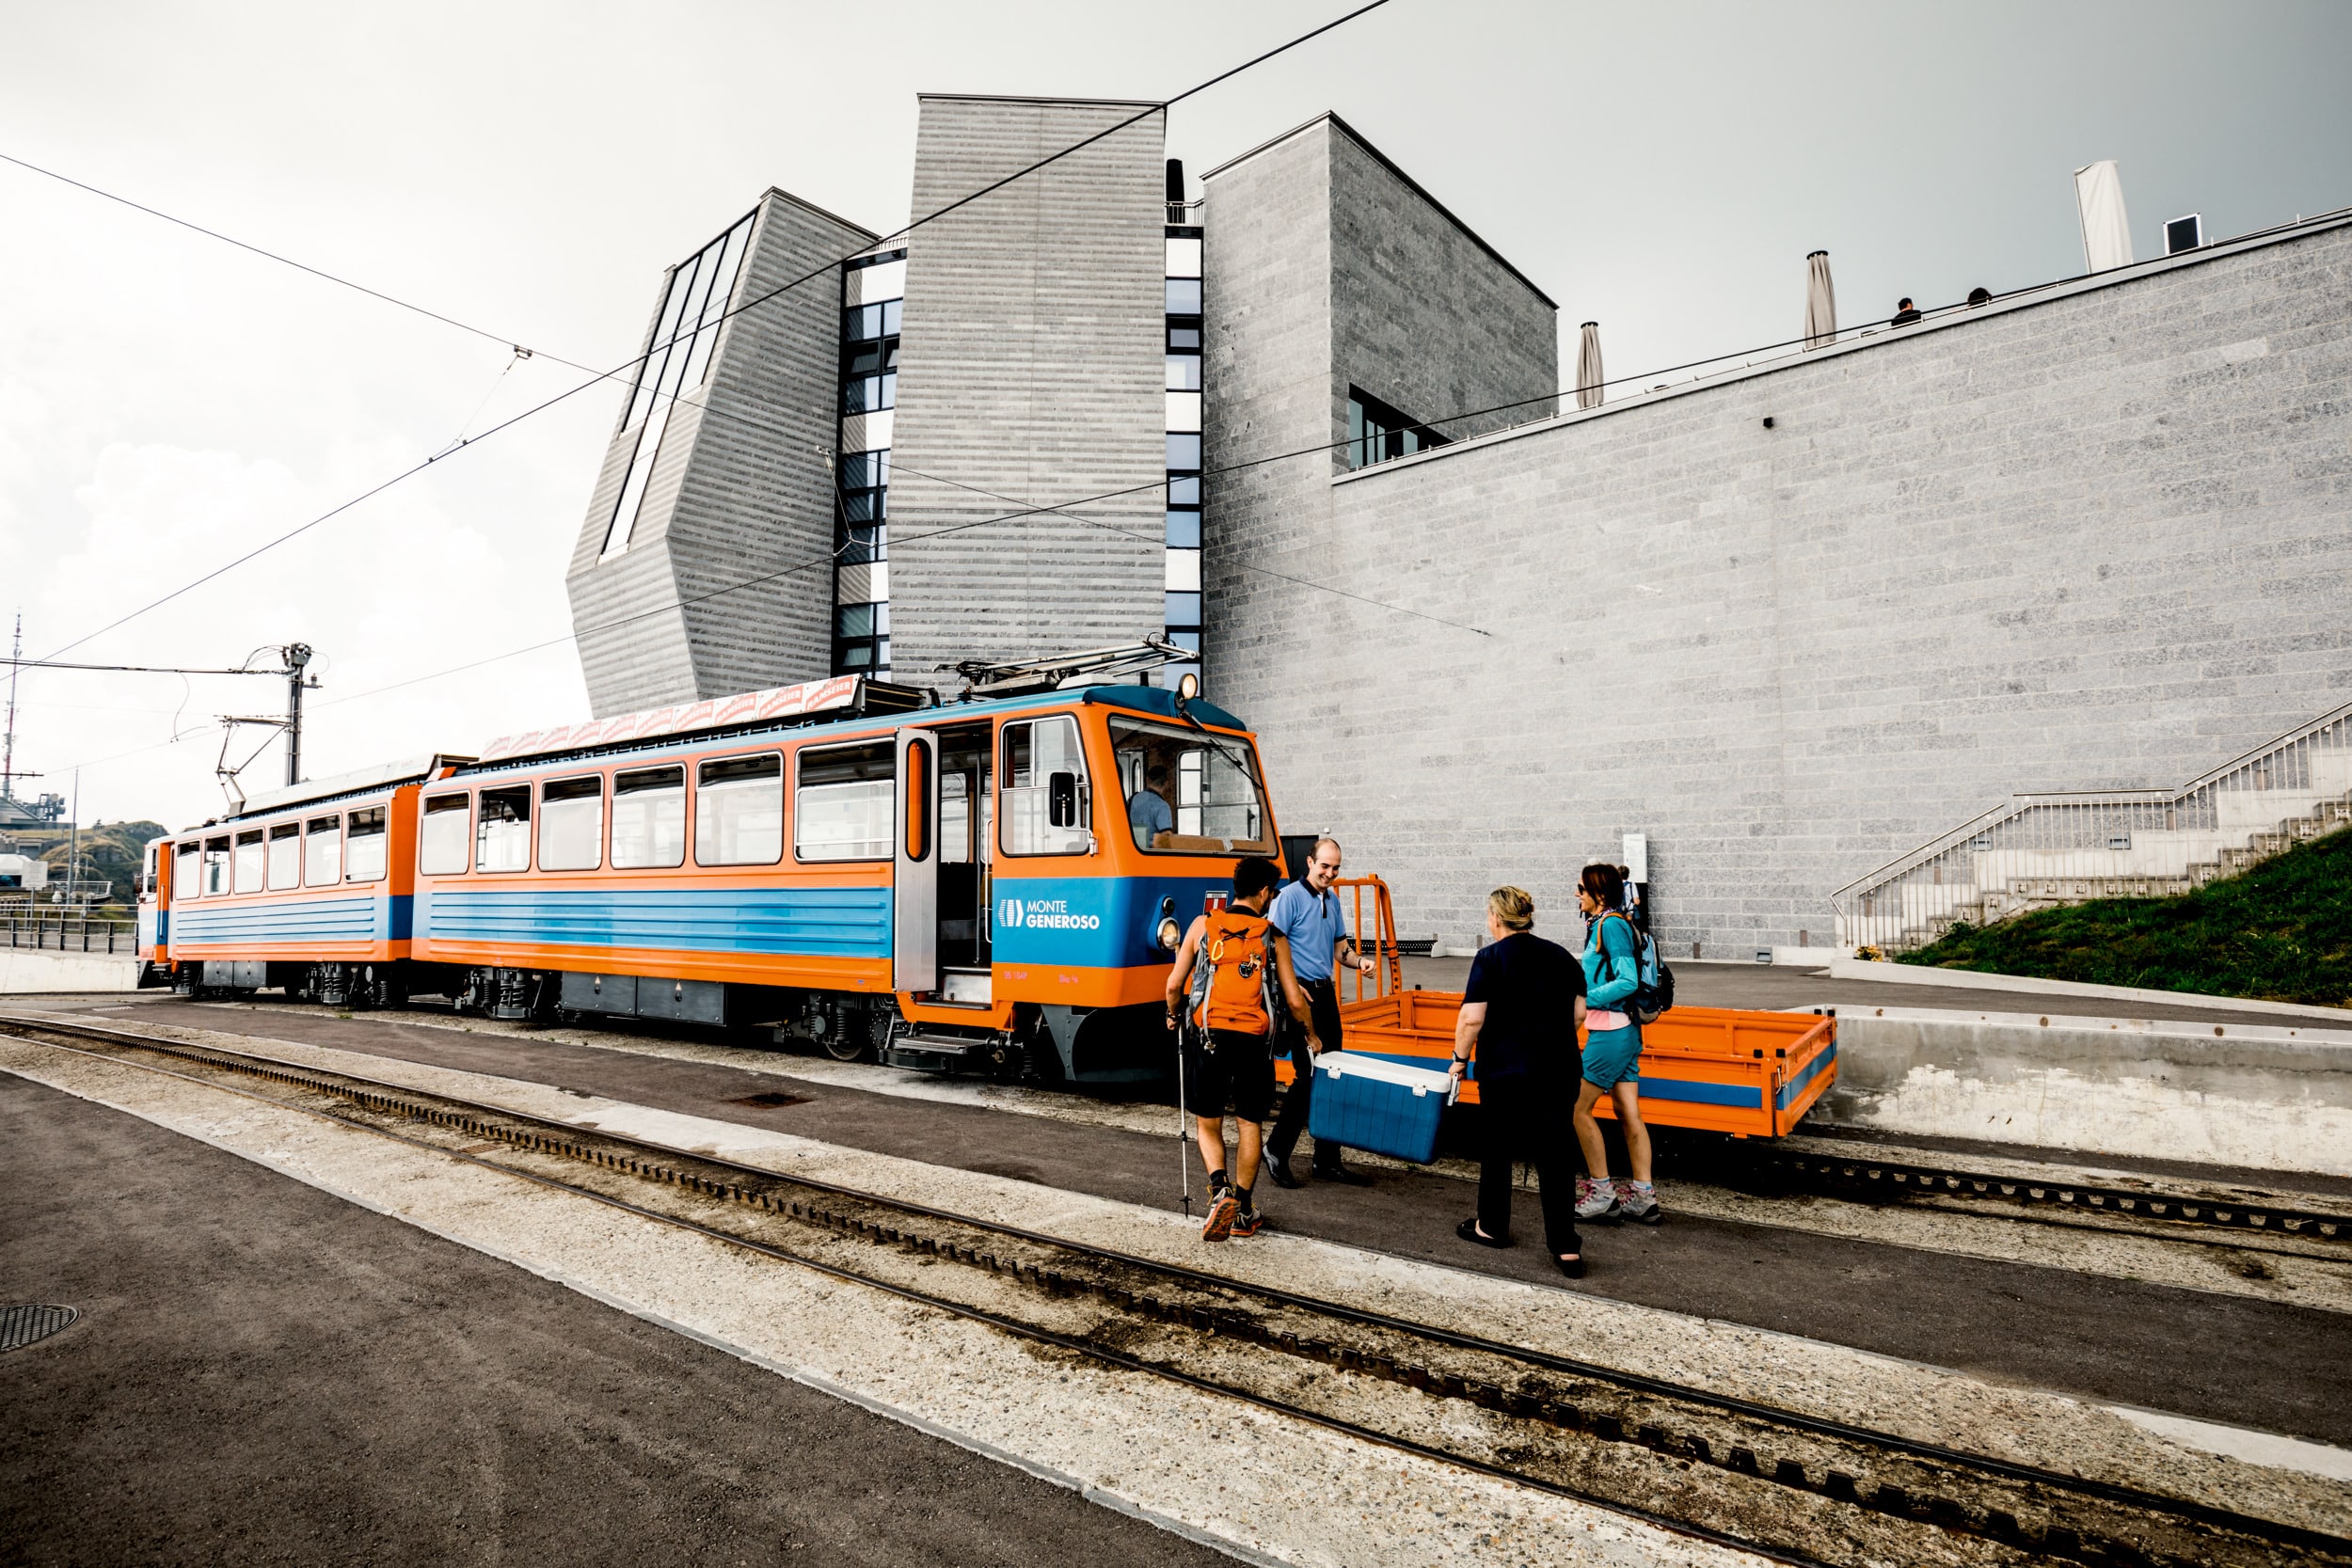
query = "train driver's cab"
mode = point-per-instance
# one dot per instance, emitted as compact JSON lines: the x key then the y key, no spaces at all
{"x":1190,"y":792}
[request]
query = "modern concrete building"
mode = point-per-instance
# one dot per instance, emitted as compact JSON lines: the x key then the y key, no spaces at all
{"x":1792,"y":622}
{"x":1787,"y":622}
{"x":998,"y":453}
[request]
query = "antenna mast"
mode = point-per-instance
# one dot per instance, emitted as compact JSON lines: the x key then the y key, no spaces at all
{"x":8,"y":752}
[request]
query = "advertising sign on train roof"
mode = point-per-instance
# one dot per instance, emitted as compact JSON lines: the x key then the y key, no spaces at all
{"x":711,"y":713}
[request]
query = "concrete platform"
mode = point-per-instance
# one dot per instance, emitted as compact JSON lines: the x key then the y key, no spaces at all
{"x":2099,"y":1336}
{"x":263,"y":1373}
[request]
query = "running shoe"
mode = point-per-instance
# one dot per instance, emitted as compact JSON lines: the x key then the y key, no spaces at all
{"x":1596,"y":1201}
{"x":1247,"y":1223}
{"x":1638,"y":1202}
{"x":1222,"y":1213}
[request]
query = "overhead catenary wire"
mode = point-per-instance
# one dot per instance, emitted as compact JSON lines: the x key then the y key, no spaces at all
{"x":823,"y":269}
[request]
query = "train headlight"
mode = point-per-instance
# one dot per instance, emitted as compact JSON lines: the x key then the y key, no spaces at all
{"x":1187,"y":687}
{"x":1170,"y":938}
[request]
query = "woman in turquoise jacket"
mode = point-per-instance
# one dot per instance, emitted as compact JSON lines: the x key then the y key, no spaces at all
{"x":1613,"y":1054}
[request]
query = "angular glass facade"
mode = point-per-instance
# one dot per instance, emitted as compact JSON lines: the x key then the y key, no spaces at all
{"x":1183,"y":614}
{"x":873,"y":292}
{"x":693,"y":306}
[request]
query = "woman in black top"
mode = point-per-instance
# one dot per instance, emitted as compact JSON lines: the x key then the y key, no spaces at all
{"x":1520,"y":1014}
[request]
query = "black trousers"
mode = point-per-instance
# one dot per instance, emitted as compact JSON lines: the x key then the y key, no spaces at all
{"x":1529,"y":1119}
{"x":1323,"y":1003}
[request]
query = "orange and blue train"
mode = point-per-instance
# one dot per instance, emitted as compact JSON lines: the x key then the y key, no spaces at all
{"x":994,"y":884}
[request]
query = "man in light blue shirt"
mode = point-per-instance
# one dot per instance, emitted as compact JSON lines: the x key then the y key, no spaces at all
{"x":1149,"y":813}
{"x":1307,"y":913}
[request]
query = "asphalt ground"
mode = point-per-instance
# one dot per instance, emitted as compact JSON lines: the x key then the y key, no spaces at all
{"x":2218,"y":1358}
{"x":265,"y":1373}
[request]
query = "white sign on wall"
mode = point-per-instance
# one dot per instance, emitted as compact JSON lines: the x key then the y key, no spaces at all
{"x":1636,"y":856}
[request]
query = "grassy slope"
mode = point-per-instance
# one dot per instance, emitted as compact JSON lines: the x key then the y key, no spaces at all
{"x":2281,"y":932}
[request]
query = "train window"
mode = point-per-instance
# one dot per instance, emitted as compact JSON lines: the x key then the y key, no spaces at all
{"x":441,"y":836}
{"x":842,"y":808}
{"x":738,"y":811}
{"x":186,"y":881}
{"x":249,"y":868}
{"x":649,"y":817}
{"x":501,"y":834}
{"x":1047,"y":811}
{"x":215,"y":867}
{"x":146,"y":870}
{"x":571,"y":824}
{"x":1189,"y":792}
{"x":285,"y":856}
{"x":323,"y":852}
{"x":364,"y":842}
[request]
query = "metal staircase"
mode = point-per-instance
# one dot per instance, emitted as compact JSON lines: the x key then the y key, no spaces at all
{"x":2042,"y":851}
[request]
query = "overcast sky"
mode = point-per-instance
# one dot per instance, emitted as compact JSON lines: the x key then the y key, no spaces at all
{"x":167,"y":402}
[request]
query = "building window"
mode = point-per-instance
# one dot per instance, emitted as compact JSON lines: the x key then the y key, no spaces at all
{"x":1376,"y":433}
{"x":861,"y":638}
{"x":693,"y":306}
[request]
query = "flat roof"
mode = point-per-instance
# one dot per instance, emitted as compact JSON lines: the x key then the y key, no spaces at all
{"x":1942,"y":318}
{"x":1410,"y":183}
{"x":1018,"y":98}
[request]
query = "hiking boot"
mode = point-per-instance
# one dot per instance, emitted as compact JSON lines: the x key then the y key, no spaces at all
{"x":1247,"y":1223}
{"x":1596,"y":1201}
{"x":1638,"y":1201}
{"x":1222,"y":1213}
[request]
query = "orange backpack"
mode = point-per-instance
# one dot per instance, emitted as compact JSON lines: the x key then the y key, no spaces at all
{"x":1232,"y":987}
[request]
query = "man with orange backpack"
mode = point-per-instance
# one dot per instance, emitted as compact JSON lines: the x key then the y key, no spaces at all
{"x":1230,"y":979}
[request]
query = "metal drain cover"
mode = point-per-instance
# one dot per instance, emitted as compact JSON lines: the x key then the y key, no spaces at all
{"x":21,"y":1325}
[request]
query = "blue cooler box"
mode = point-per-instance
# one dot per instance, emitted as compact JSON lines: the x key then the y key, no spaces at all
{"x":1382,"y":1106}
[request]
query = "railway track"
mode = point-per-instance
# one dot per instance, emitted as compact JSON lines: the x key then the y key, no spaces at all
{"x":1871,"y":1175}
{"x":1794,"y":1486}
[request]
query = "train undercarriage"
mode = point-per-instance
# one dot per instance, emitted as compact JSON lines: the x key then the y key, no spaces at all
{"x":1043,"y":1043}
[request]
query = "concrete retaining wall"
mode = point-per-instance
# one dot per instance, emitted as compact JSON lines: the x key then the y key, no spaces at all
{"x":2271,"y":1099}
{"x":26,"y":971}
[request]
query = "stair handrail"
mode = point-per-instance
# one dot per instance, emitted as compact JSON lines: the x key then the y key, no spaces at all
{"x":2024,"y":802}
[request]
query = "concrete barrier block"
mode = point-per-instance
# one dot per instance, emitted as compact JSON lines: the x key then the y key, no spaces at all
{"x":2268,"y":1099}
{"x":25,"y":971}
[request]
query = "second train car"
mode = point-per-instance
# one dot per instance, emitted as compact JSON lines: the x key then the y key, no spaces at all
{"x":994,"y":884}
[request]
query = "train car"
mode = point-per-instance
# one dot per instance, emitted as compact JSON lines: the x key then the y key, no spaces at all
{"x":309,"y":888}
{"x":991,"y":884}
{"x":153,"y":923}
{"x":1726,"y":1069}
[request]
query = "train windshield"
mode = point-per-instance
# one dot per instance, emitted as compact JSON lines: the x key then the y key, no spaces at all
{"x":1191,"y":792}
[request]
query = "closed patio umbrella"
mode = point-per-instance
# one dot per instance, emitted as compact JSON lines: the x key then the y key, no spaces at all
{"x":2106,"y":232}
{"x":1821,"y":302}
{"x":1588,"y":375}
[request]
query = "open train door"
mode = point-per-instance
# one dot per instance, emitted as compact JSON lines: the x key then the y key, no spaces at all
{"x":915,"y":896}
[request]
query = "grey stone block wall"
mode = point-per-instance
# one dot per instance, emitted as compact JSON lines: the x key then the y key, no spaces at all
{"x":1031,"y":372}
{"x":742,"y":490}
{"x":2097,"y":537}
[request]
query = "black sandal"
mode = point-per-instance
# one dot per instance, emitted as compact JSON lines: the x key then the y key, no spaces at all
{"x":1470,"y":1232}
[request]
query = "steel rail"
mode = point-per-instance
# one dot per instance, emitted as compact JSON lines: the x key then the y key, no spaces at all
{"x":576,"y":1142}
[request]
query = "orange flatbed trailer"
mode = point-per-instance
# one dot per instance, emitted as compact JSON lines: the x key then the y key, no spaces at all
{"x":1753,"y":1074}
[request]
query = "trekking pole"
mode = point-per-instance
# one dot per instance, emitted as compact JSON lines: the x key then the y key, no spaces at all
{"x":1184,"y":1133}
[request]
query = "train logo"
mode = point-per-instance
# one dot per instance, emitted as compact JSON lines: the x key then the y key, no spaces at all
{"x":1044,"y":915}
